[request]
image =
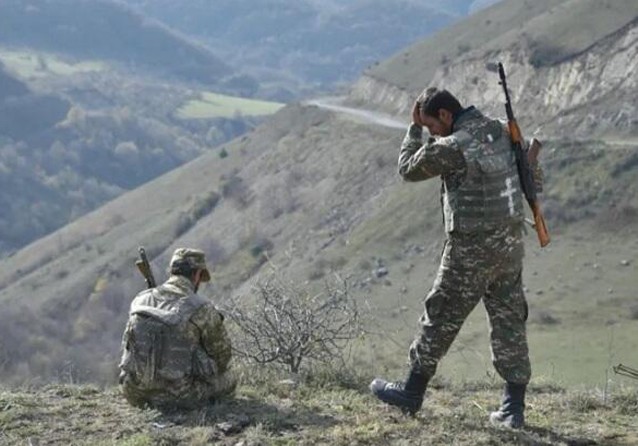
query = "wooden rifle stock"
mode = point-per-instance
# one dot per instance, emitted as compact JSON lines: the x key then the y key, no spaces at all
{"x":522,"y":161}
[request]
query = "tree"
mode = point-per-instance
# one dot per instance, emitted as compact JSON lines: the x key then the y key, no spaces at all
{"x":284,"y":324}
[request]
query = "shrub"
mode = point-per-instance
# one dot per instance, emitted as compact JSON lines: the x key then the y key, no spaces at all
{"x":285,"y":325}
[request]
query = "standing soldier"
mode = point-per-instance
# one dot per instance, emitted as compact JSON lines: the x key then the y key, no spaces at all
{"x":482,"y":259}
{"x":176,"y":351}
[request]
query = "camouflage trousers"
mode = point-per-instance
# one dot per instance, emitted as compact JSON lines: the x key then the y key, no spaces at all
{"x":182,"y":395}
{"x":477,"y":266}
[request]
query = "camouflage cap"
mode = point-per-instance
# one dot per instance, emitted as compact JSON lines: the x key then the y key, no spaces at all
{"x":193,"y":258}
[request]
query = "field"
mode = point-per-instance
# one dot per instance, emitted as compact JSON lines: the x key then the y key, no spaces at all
{"x":31,"y":65}
{"x":215,"y":105}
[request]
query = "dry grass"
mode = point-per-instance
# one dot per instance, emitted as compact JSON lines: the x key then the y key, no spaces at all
{"x":273,"y":412}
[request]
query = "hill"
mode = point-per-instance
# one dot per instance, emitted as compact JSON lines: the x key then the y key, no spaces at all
{"x":318,"y":413}
{"x":305,"y":47}
{"x":23,"y":112}
{"x":563,"y":57}
{"x":68,"y":144}
{"x":315,"y":192}
{"x":79,"y":132}
{"x":107,"y":30}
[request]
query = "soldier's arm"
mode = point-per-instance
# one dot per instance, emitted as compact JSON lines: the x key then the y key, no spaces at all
{"x":418,"y":161}
{"x":214,"y":338}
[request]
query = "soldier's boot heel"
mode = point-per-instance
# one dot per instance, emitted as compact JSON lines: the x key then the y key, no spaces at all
{"x":511,"y":413}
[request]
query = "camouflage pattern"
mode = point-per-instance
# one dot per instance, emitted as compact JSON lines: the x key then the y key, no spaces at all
{"x":176,"y":352}
{"x":481,"y":189}
{"x":479,"y":262}
{"x":194,"y":258}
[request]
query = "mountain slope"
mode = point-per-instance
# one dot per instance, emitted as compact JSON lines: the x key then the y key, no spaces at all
{"x":563,"y":57}
{"x":106,"y":30}
{"x":305,"y":46}
{"x":24,"y":112}
{"x":316,"y":193}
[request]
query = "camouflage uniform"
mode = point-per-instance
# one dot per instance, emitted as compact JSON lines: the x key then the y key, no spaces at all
{"x":482,"y":259}
{"x":185,"y":361}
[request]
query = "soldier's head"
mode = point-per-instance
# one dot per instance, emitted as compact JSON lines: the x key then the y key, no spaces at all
{"x":190,"y":263}
{"x":437,"y":109}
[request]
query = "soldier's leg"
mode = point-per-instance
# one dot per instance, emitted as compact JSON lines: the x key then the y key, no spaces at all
{"x":507,"y":312}
{"x":461,"y":282}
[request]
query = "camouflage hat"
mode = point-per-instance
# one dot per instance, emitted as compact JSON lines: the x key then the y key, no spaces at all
{"x":191,"y":257}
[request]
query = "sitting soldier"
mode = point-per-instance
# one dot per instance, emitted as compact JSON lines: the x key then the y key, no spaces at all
{"x":176,"y":351}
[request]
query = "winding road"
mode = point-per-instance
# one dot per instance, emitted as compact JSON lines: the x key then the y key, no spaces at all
{"x":373,"y":117}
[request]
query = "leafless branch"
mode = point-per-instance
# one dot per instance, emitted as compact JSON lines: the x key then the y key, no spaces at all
{"x":281,"y":323}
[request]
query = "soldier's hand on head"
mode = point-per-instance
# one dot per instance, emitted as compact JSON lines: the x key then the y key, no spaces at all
{"x":416,"y":114}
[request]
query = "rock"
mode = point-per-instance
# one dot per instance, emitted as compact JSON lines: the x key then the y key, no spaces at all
{"x":625,"y":262}
{"x":234,"y":425}
{"x":381,"y":272}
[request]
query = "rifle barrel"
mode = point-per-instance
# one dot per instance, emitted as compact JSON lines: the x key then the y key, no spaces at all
{"x":524,"y":172}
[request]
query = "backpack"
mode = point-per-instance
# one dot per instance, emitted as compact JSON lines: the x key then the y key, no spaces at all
{"x":157,"y":350}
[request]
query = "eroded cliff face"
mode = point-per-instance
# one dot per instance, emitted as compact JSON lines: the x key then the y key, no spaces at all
{"x":591,"y":94}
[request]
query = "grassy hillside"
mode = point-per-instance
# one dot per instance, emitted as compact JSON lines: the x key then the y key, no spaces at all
{"x":318,"y":204}
{"x":570,"y":66}
{"x":80,"y":132}
{"x":29,"y":64}
{"x":319,"y":413}
{"x":554,"y":30}
{"x":316,"y":192}
{"x":107,"y":30}
{"x":25,"y":112}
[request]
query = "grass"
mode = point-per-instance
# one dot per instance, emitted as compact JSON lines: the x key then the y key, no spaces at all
{"x":215,"y":105}
{"x":277,"y":413}
{"x":30,"y":65}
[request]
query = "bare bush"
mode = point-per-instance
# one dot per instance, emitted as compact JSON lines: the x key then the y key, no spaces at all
{"x":286,"y":325}
{"x":236,"y":190}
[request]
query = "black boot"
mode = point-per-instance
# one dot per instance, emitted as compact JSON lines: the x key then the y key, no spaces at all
{"x":406,"y":396}
{"x":510,"y":414}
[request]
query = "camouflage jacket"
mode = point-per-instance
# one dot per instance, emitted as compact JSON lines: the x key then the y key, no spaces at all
{"x":197,"y":346}
{"x":480,"y":185}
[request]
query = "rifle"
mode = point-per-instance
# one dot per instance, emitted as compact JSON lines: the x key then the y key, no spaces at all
{"x":625,"y":371}
{"x":522,"y":163}
{"x":145,"y":268}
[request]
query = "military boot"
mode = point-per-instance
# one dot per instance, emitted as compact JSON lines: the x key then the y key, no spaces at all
{"x":510,"y":414}
{"x":406,"y":396}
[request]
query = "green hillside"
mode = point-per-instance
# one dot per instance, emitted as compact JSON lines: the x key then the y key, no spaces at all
{"x":107,"y":30}
{"x":29,"y":64}
{"x":81,"y":132}
{"x":24,"y":112}
{"x":214,"y":105}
